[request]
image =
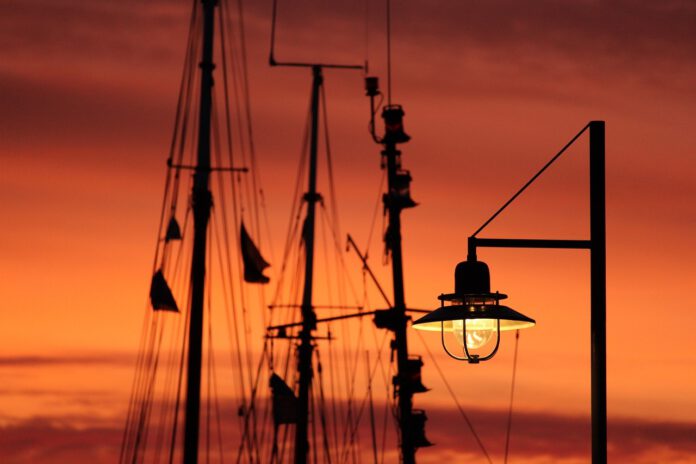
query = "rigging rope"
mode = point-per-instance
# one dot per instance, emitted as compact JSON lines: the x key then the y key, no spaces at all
{"x":373,"y":432}
{"x":236,"y":218}
{"x":295,"y":209}
{"x":170,"y":388}
{"x":454,"y":397}
{"x":530,"y":181}
{"x":147,"y":323}
{"x":212,"y":389}
{"x":375,"y":212}
{"x":389,"y":66}
{"x":149,"y":318}
{"x":367,"y":38}
{"x":512,"y":394}
{"x":322,"y":410}
{"x":182,"y":359}
{"x":354,"y":430}
{"x":149,"y":413}
{"x":255,"y":171}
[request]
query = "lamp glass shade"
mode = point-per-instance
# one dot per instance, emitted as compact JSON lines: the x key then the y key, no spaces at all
{"x":449,"y":318}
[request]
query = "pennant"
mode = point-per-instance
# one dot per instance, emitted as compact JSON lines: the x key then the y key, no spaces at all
{"x":173,"y":230}
{"x":254,"y":264}
{"x":161,"y":295}
{"x":284,"y":402}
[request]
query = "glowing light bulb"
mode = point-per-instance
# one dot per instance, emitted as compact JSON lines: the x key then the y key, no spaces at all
{"x":478,"y":332}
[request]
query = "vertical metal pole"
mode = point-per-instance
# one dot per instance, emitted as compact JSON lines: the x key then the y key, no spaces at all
{"x":598,"y":297}
{"x":309,"y":318}
{"x":408,"y":450}
{"x":201,"y":199}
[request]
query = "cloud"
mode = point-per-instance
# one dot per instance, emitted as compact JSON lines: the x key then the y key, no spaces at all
{"x":627,"y":27}
{"x":73,"y":29}
{"x":40,"y":361}
{"x":536,"y":437}
{"x":561,"y":437}
{"x":45,"y":441}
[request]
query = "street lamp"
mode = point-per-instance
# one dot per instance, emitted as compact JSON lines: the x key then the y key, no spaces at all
{"x":473,"y":302}
{"x":475,"y":315}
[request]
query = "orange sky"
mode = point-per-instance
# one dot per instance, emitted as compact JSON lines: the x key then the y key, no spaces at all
{"x":491,"y":91}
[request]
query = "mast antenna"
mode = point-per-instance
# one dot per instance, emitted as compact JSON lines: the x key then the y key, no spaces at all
{"x":407,"y":381}
{"x":389,"y":66}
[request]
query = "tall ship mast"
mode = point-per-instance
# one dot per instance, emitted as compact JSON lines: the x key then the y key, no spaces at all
{"x":305,"y":383}
{"x":308,"y":324}
{"x":175,"y":412}
{"x":201,"y":201}
{"x":407,"y":381}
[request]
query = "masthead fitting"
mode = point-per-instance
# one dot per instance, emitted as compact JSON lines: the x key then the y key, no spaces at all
{"x":372,"y":86}
{"x":393,"y":116}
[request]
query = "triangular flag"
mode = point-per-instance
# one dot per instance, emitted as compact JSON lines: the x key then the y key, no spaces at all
{"x":160,"y":295}
{"x":254,"y":264}
{"x":173,"y":230}
{"x":284,"y":402}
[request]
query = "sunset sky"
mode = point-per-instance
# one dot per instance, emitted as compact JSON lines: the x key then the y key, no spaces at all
{"x":491,"y":91}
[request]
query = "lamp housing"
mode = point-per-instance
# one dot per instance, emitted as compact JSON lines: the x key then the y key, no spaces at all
{"x":474,"y":314}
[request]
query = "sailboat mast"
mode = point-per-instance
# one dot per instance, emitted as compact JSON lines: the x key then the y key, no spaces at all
{"x":407,"y":379}
{"x":408,"y":449}
{"x":202,"y":203}
{"x":308,"y":315}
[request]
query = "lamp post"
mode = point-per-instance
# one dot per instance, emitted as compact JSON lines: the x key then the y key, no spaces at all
{"x":476,"y":313}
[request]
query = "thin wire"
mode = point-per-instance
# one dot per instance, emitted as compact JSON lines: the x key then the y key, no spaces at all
{"x":512,"y":394}
{"x":169,"y":387}
{"x":524,"y":187}
{"x":212,"y":384}
{"x":389,"y":73}
{"x":354,"y":429}
{"x":142,"y":344}
{"x":182,"y":107}
{"x":295,"y":210}
{"x":366,"y":69}
{"x":273,"y":28}
{"x":139,"y":371}
{"x":209,"y":370}
{"x":322,"y":411}
{"x":139,"y":383}
{"x":374,"y":213}
{"x":234,"y":200}
{"x":340,"y":260}
{"x":454,"y":397}
{"x":255,"y":174}
{"x":143,"y":429}
{"x":227,"y":266}
{"x":372,"y":409}
{"x":335,"y":228}
{"x":333,"y":375}
{"x":182,"y":358}
{"x":252,"y":403}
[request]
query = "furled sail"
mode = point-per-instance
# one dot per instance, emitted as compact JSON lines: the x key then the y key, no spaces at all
{"x":284,"y":402}
{"x":254,"y":264}
{"x":161,"y":295}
